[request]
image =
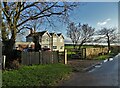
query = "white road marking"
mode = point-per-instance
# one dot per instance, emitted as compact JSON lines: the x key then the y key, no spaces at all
{"x":98,"y":66}
{"x":105,"y":60}
{"x":110,"y":59}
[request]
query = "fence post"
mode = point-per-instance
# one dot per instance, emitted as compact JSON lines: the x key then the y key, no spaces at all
{"x":39,"y":56}
{"x":0,"y":55}
{"x":0,"y":64}
{"x":4,"y":59}
{"x":65,"y":59}
{"x":30,"y":58}
{"x":83,"y":53}
{"x":58,"y":56}
{"x":52,"y":56}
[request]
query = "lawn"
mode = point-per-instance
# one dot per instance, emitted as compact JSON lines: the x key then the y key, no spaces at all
{"x":37,"y":75}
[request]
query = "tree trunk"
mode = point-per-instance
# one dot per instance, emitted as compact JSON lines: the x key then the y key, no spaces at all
{"x":108,"y":41}
{"x":74,"y":46}
{"x":80,"y":45}
{"x":8,"y":51}
{"x":37,"y":46}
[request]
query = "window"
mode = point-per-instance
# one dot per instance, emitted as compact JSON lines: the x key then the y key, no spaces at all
{"x":43,"y":40}
{"x":54,"y":47}
{"x":47,"y":39}
{"x":45,"y":46}
{"x":61,"y":47}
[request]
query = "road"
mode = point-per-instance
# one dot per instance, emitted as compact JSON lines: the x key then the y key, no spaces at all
{"x":105,"y":74}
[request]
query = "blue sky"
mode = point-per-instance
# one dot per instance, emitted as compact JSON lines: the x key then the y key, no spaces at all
{"x":96,"y":14}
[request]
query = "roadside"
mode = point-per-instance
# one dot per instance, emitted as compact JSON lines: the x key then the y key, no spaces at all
{"x":47,"y":75}
{"x":81,"y":65}
{"x":101,"y":75}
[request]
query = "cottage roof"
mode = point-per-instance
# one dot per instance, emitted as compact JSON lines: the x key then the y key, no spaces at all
{"x":53,"y":34}
{"x":60,"y":34}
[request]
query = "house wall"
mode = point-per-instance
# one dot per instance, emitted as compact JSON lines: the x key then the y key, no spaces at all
{"x":45,"y":41}
{"x":23,"y":45}
{"x":60,"y":44}
{"x":55,"y":42}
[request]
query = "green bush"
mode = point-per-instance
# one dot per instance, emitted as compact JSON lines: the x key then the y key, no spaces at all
{"x":37,"y":75}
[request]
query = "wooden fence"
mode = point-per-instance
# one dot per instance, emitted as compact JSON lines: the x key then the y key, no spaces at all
{"x":0,"y":55}
{"x":43,"y":57}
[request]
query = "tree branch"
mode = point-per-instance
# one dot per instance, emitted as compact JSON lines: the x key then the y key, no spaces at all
{"x":35,"y":17}
{"x":28,"y":6}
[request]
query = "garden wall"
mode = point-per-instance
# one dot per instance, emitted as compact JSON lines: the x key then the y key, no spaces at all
{"x":91,"y":52}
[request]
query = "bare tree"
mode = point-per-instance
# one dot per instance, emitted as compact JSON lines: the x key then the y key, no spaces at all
{"x":73,"y":32}
{"x":15,"y":16}
{"x":79,"y":34}
{"x":107,"y":34}
{"x":86,"y":34}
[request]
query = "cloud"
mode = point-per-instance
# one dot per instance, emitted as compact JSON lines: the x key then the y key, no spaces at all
{"x":104,"y":22}
{"x":67,"y":40}
{"x":108,"y":19}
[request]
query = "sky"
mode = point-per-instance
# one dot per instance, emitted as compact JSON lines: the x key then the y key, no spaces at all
{"x":96,"y":14}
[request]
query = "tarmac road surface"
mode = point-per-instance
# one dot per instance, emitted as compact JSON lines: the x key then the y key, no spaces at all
{"x":105,"y":74}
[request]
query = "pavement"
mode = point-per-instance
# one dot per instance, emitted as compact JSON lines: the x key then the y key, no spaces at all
{"x":104,"y":73}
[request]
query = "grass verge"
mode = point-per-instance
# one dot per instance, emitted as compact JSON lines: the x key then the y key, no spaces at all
{"x":103,"y":57}
{"x":37,"y":75}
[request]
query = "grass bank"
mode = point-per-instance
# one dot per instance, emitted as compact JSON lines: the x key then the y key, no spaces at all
{"x":103,"y":57}
{"x":37,"y":75}
{"x":84,"y":46}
